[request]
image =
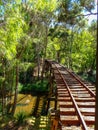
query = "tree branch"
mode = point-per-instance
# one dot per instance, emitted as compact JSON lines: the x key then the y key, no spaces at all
{"x":87,"y":14}
{"x":1,"y":24}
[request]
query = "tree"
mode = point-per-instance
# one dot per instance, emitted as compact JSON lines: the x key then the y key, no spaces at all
{"x":11,"y":33}
{"x":20,"y":30}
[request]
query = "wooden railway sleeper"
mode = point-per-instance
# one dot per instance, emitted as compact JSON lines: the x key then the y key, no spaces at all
{"x":83,"y":121}
{"x":84,"y":126}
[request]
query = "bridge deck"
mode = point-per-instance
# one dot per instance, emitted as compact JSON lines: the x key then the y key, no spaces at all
{"x":76,"y":99}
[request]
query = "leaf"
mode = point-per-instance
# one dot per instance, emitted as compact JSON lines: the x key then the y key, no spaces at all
{"x":57,"y":47}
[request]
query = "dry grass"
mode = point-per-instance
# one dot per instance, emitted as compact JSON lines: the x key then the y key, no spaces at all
{"x":25,"y":103}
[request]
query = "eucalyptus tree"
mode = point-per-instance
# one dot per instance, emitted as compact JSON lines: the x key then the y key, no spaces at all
{"x":57,"y":36}
{"x":93,"y":31}
{"x":11,"y":33}
{"x":71,"y":15}
{"x":41,"y":15}
{"x":25,"y":26}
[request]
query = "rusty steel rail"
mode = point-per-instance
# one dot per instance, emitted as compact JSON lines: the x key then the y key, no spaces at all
{"x":74,"y":102}
{"x":64,"y":80}
{"x":90,"y":91}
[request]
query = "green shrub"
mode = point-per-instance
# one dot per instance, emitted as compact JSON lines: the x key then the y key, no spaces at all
{"x":41,"y":86}
{"x":20,"y":117}
{"x":20,"y":86}
{"x":38,"y":86}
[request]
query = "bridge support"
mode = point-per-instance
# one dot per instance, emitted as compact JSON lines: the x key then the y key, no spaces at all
{"x":52,"y":96}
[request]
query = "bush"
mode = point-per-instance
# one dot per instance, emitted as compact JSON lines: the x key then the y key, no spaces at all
{"x":20,"y":86}
{"x":38,"y":86}
{"x":20,"y":117}
{"x":41,"y":86}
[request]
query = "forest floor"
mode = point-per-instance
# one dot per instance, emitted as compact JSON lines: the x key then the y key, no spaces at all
{"x":27,"y":103}
{"x":41,"y":123}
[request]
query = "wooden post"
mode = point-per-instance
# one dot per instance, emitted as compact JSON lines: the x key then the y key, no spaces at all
{"x":54,"y":125}
{"x":48,"y":105}
{"x":56,"y":99}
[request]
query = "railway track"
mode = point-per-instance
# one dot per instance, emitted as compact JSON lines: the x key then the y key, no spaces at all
{"x":76,"y":99}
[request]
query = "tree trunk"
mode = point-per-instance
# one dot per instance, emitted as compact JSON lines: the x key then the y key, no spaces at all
{"x":93,"y":63}
{"x":96,"y":109}
{"x":46,"y":39}
{"x":3,"y":87}
{"x":58,"y":56}
{"x":70,"y":51}
{"x":38,"y":61}
{"x":2,"y":100}
{"x":43,"y":69}
{"x":46,"y":42}
{"x":16,"y":90}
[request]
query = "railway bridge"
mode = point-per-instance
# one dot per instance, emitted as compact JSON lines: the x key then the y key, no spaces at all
{"x":74,"y":99}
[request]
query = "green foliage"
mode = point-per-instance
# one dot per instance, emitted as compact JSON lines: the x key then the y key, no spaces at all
{"x":20,"y":117}
{"x":44,"y":5}
{"x":70,"y":11}
{"x":20,"y":86}
{"x":84,"y":50}
{"x":37,"y":87}
{"x":56,"y":44}
{"x":41,"y":86}
{"x":26,"y":73}
{"x":12,"y":34}
{"x":24,"y":66}
{"x":1,"y":79}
